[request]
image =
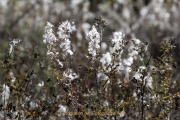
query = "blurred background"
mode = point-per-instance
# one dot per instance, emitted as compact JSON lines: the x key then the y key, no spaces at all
{"x":147,"y":20}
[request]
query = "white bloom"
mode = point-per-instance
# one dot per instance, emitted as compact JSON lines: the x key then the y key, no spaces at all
{"x":148,"y":79}
{"x":75,"y":2}
{"x":49,"y":36}
{"x":139,"y":46}
{"x":41,"y":84}
{"x":138,"y":76}
{"x":127,"y":66}
{"x":53,"y":54}
{"x":65,"y":29}
{"x":5,"y":93}
{"x":33,"y":105}
{"x":62,"y":108}
{"x":132,"y":52}
{"x":122,"y":113}
{"x":68,"y":74}
{"x":134,"y":48}
{"x":12,"y":44}
{"x":144,"y":11}
{"x":60,"y":63}
{"x":11,"y":74}
{"x":127,"y":70}
{"x":137,"y":41}
{"x":66,"y":47}
{"x":128,"y":61}
{"x":117,"y":41}
{"x":106,"y":60}
{"x":94,"y":39}
{"x":121,"y":1}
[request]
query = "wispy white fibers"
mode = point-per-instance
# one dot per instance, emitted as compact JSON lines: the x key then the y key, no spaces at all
{"x":62,"y":108}
{"x":64,"y":31}
{"x":94,"y":39}
{"x":69,"y":75}
{"x":106,"y":60}
{"x":5,"y":93}
{"x":117,"y":41}
{"x":118,"y":45}
{"x":41,"y":84}
{"x":50,"y":39}
{"x":12,"y":44}
{"x":49,"y":36}
{"x":147,"y":78}
{"x":11,"y":74}
{"x":136,"y":47}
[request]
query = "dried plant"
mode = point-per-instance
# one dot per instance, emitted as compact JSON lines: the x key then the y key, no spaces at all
{"x":124,"y":83}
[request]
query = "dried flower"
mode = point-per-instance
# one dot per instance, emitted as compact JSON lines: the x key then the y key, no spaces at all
{"x":68,"y":74}
{"x":49,"y":36}
{"x":65,"y":29}
{"x":94,"y":39}
{"x":139,"y":74}
{"x":106,"y":60}
{"x":12,"y":44}
{"x":117,"y":41}
{"x":5,"y":93}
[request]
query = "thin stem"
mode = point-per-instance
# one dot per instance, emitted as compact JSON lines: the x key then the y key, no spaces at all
{"x":143,"y":90}
{"x":114,"y":106}
{"x":101,"y":35}
{"x":71,"y":84}
{"x":142,"y":107}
